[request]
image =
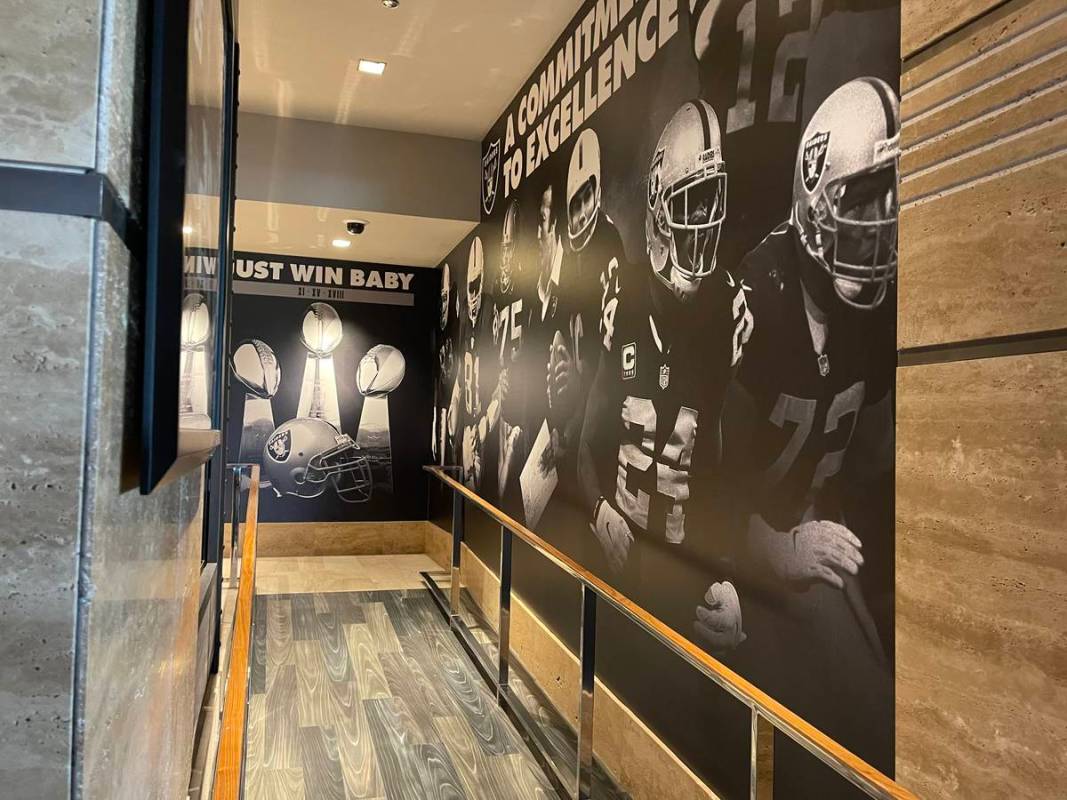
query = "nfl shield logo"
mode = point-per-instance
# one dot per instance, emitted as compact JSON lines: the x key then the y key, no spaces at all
{"x":280,"y":445}
{"x":815,"y":158}
{"x":664,"y":376}
{"x":490,"y":176}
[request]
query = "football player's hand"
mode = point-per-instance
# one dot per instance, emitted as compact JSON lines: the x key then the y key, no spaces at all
{"x":822,"y":551}
{"x":470,"y":449}
{"x":561,"y":378}
{"x":718,"y":621}
{"x":612,"y":531}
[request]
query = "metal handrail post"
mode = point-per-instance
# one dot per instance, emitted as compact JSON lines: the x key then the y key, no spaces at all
{"x":504,"y":619}
{"x":587,"y":647}
{"x":235,"y":524}
{"x":457,"y":552}
{"x":776,"y":716}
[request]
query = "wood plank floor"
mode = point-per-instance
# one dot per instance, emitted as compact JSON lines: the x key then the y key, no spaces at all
{"x":368,"y":695}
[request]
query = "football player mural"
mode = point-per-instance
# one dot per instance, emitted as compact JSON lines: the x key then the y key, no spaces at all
{"x":321,"y":384}
{"x":691,"y":257}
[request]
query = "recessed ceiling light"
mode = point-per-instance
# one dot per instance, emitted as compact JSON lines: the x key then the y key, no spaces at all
{"x":342,"y":243}
{"x":371,"y":67}
{"x":187,"y":229}
{"x":390,"y":3}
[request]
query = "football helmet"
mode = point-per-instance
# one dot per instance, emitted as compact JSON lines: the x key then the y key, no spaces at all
{"x":583,"y":189}
{"x":446,"y":287}
{"x":475,"y":270}
{"x":256,"y":366}
{"x":845,"y":189}
{"x":686,"y":199}
{"x":322,"y":330}
{"x":509,"y":247}
{"x":304,"y":456}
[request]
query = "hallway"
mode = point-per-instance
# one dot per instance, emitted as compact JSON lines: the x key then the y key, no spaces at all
{"x":368,"y":695}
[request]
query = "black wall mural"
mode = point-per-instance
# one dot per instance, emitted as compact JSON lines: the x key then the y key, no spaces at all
{"x":330,"y":380}
{"x":669,"y":349}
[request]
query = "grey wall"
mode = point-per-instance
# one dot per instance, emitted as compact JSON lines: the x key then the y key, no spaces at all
{"x":99,"y":616}
{"x":318,"y":164}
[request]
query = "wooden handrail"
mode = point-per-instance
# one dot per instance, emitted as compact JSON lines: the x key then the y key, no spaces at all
{"x":229,"y":765}
{"x":839,"y":758}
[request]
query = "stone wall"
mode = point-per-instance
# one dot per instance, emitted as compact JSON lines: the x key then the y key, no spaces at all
{"x":98,"y":621}
{"x":981,"y":410}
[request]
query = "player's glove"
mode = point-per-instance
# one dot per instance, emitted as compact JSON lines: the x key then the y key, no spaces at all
{"x":818,"y":551}
{"x":718,"y":621}
{"x":613,"y":533}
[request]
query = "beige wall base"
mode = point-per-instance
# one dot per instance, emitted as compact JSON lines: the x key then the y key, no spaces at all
{"x":339,"y":538}
{"x":641,"y":763}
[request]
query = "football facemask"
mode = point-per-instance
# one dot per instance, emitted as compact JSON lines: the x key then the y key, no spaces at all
{"x":582,"y":215}
{"x":341,"y":465}
{"x":693,"y":212}
{"x":856,"y":220}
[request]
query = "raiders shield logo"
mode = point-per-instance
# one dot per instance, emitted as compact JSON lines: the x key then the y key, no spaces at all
{"x":280,"y":445}
{"x":654,"y":180}
{"x":815,"y":158}
{"x":664,"y":377}
{"x":490,"y":176}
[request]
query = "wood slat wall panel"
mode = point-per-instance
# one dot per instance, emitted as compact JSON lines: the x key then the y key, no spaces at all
{"x":982,"y":578}
{"x":983,"y":224}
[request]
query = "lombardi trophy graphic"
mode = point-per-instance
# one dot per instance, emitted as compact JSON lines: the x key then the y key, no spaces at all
{"x":192,"y":385}
{"x":321,"y":334}
{"x":379,"y":373}
{"x":257,"y":368}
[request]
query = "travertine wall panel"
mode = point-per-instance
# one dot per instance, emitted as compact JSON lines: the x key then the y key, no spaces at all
{"x":44,"y":305}
{"x":983,"y":228}
{"x":986,"y":260}
{"x":140,"y":567}
{"x":923,"y":22}
{"x":277,"y":539}
{"x":982,"y":578}
{"x":49,"y":59}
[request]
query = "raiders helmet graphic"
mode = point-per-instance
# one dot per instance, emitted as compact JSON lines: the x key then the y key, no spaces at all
{"x":845,"y":189}
{"x":305,"y":456}
{"x":490,"y":176}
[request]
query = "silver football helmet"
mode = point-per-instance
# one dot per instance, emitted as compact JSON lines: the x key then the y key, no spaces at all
{"x":686,"y":199}
{"x":304,"y":456}
{"x":509,"y":248}
{"x":475,"y":271}
{"x":845,"y":189}
{"x":583,"y":190}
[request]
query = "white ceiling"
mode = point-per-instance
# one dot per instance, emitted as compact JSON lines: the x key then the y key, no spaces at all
{"x":289,"y":229}
{"x":453,"y":65}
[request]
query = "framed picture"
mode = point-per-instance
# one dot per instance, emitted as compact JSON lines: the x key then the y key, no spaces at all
{"x":188,"y":206}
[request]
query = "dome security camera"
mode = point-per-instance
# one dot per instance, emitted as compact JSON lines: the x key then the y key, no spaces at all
{"x":355,"y":226}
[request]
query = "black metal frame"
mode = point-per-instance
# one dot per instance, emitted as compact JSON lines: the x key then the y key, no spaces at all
{"x":216,"y":469}
{"x":164,"y":204}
